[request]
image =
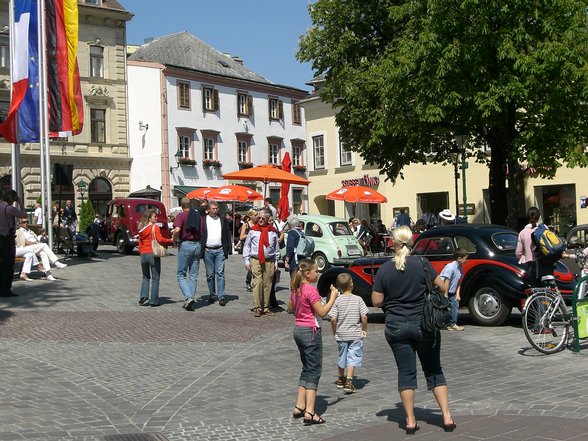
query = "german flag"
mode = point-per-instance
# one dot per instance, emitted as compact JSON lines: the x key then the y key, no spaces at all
{"x":66,"y":111}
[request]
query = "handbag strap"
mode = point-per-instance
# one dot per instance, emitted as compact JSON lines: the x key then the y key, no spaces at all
{"x":427,"y":276}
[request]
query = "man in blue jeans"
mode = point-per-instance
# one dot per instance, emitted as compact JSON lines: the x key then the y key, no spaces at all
{"x":216,"y":247}
{"x":187,"y":233}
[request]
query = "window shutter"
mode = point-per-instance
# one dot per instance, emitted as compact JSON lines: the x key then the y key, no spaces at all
{"x":215,"y":106}
{"x":269,"y":108}
{"x":281,"y":107}
{"x":249,"y":105}
{"x":203,"y":100}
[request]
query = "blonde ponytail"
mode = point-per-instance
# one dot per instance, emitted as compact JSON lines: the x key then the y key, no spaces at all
{"x":402,"y":242}
{"x":303,"y":266}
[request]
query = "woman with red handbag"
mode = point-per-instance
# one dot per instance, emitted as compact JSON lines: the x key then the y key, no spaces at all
{"x":150,"y":264}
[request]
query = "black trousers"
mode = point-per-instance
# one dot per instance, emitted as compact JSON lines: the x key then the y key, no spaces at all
{"x":7,"y":255}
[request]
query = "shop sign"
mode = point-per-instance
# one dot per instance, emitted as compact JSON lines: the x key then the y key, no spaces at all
{"x":470,"y":209}
{"x":366,"y":181}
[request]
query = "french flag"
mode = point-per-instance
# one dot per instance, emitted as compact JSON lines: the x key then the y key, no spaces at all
{"x":22,"y":123}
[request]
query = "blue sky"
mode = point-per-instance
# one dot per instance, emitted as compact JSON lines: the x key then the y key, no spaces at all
{"x":264,"y":33}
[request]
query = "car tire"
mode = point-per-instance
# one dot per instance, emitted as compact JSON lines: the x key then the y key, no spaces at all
{"x":321,"y":261}
{"x":489,"y":306}
{"x":121,"y":245}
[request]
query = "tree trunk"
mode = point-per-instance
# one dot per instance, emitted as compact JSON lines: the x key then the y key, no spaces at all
{"x":497,"y":185}
{"x":514,"y":189}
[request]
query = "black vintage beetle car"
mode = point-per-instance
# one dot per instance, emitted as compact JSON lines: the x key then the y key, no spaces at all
{"x":493,"y":282}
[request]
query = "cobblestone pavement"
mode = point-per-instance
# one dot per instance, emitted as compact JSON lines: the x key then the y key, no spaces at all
{"x":81,"y":360}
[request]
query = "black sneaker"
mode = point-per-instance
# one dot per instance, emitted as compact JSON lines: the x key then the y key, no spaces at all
{"x":212,"y":299}
{"x":222,"y":302}
{"x":249,"y":287}
{"x":143,"y":300}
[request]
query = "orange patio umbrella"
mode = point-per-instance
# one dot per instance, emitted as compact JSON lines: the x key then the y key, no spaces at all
{"x":267,"y":173}
{"x":199,"y":193}
{"x":233,"y":193}
{"x":357,"y":194}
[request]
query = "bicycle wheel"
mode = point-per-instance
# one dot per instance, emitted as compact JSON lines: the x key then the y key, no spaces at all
{"x":546,"y":323}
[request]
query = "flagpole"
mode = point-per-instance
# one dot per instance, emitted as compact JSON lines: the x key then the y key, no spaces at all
{"x":15,"y":148}
{"x":44,"y":120}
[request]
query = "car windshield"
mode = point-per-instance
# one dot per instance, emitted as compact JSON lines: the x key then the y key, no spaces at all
{"x":505,"y":241}
{"x":340,"y":229}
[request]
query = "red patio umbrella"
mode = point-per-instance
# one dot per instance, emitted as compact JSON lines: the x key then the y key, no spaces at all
{"x":356,"y":194}
{"x":283,"y":209}
{"x":233,"y":193}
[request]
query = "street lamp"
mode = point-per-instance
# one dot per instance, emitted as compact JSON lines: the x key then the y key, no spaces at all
{"x":454,"y":154}
{"x":462,"y":141}
{"x":82,"y":190}
{"x":178,"y":155}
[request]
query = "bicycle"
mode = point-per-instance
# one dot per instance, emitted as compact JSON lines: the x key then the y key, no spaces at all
{"x":546,"y":319}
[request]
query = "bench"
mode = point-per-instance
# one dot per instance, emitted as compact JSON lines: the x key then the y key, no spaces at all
{"x":18,"y":263}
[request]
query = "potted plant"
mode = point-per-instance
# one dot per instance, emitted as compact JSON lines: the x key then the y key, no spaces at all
{"x":186,"y":161}
{"x":299,"y":167}
{"x":211,"y":163}
{"x":245,"y":164}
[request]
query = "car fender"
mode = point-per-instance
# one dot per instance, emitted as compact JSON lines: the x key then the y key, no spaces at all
{"x":511,"y":282}
{"x":122,"y":229}
{"x":360,"y":286}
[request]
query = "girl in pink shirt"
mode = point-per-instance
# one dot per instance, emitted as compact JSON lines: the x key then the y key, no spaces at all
{"x":305,"y":303}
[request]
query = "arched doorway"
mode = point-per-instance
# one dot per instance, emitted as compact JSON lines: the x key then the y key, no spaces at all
{"x":100,"y":192}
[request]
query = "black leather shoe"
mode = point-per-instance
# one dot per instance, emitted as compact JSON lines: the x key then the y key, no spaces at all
{"x":212,"y":299}
{"x":9,"y":294}
{"x":222,"y":302}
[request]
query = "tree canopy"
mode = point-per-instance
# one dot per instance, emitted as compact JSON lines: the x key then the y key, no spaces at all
{"x":406,"y":76}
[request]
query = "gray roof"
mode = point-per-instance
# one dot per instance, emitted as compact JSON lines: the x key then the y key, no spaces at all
{"x":186,"y":51}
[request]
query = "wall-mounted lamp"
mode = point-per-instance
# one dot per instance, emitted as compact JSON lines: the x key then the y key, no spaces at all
{"x":144,"y":126}
{"x":178,"y":155}
{"x":97,"y":41}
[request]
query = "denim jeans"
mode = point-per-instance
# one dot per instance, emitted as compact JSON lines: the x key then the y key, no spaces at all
{"x":454,"y":307}
{"x":310,"y":345}
{"x":215,"y":268}
{"x":188,"y":266}
{"x":407,"y":339}
{"x":151,"y":267}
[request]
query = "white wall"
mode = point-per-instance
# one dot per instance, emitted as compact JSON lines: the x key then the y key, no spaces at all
{"x":145,"y":145}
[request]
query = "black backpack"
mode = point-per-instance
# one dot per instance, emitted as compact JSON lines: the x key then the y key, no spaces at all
{"x":436,"y":308}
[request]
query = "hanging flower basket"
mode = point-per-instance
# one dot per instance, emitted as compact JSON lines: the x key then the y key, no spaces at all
{"x":186,"y":161}
{"x":243,"y":165}
{"x":300,"y":168}
{"x":211,"y":163}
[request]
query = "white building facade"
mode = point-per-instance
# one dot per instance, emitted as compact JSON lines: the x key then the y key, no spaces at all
{"x":194,"y":117}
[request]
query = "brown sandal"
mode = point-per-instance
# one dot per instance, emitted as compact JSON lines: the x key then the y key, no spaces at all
{"x":310,"y":421}
{"x":297,"y":415}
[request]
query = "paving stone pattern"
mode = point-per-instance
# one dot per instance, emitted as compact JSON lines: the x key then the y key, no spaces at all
{"x":81,"y":360}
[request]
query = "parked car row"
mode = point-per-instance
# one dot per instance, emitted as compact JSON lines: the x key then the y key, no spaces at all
{"x":493,"y":281}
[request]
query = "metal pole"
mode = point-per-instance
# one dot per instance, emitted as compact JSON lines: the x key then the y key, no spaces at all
{"x":456,"y":178}
{"x":15,"y":150}
{"x":464,"y":165}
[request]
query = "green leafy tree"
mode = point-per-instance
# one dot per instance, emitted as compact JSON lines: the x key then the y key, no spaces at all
{"x":86,"y":216}
{"x":406,"y":76}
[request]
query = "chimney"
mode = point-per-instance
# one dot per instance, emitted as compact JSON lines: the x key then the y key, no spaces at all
{"x":148,"y":40}
{"x":238,"y":60}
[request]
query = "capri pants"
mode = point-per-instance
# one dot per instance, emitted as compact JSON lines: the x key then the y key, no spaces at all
{"x":310,"y":345}
{"x":406,"y":339}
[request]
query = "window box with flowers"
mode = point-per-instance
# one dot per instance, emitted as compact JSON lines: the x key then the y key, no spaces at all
{"x":211,"y":163}
{"x":245,"y":164}
{"x":186,"y":161}
{"x":299,"y":168}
